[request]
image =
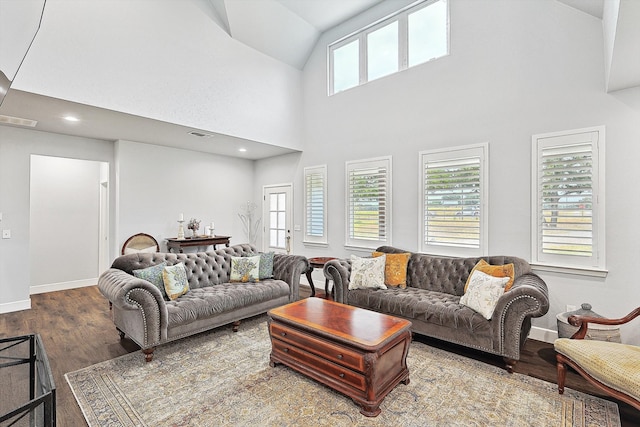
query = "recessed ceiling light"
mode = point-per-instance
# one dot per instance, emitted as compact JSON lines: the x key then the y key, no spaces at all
{"x":242,"y":150}
{"x":71,"y":118}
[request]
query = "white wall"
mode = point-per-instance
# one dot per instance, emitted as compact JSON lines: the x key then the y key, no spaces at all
{"x":515,"y":69}
{"x":155,"y":184}
{"x":16,"y":148}
{"x":165,"y":60}
{"x":64,"y":223}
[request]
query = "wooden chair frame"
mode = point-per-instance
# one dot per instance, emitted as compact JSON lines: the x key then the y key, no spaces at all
{"x":582,"y":323}
{"x":149,"y":237}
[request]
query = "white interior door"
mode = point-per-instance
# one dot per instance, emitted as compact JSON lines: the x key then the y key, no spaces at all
{"x":277,"y":218}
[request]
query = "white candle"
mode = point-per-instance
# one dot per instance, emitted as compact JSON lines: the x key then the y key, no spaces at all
{"x":181,"y":217}
{"x":212,"y":227}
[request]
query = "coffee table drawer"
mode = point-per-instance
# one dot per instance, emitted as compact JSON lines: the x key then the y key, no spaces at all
{"x":313,"y":363}
{"x":327,"y":350}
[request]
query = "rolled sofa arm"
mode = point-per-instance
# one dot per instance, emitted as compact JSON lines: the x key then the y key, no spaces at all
{"x":339,"y":270}
{"x":130,"y":294}
{"x":289,"y":268}
{"x":527,"y":298}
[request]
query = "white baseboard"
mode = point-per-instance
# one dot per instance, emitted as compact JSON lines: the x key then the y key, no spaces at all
{"x":10,"y":307}
{"x":544,"y":335}
{"x":61,"y":286}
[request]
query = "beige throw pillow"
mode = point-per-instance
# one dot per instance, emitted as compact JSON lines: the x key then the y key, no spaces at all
{"x":367,"y":273}
{"x":483,"y":293}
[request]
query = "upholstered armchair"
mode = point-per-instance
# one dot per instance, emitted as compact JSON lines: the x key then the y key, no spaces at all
{"x":612,"y":367}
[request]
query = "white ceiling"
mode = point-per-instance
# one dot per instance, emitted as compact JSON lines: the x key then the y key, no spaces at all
{"x":592,"y":7}
{"x":286,"y":30}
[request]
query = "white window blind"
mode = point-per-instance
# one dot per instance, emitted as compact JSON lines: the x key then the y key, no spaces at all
{"x":453,"y":218}
{"x":569,"y":200}
{"x":315,"y":184}
{"x":368,"y":202}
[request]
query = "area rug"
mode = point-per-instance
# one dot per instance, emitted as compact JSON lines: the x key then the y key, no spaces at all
{"x":222,"y":378}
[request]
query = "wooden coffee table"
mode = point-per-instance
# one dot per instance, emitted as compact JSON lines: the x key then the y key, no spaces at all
{"x":358,"y":352}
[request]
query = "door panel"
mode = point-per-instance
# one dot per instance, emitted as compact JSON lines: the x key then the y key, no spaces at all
{"x":278,"y":218}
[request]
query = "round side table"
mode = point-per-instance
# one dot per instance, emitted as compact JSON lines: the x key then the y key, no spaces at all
{"x":318,"y":262}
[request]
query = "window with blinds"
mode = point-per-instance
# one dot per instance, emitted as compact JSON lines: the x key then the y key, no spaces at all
{"x":452,"y":210}
{"x":568,"y":199}
{"x":368,"y":203}
{"x":315,"y":190}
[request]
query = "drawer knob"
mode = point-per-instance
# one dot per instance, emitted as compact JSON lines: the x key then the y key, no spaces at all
{"x":286,"y":350}
{"x":340,"y":356}
{"x":341,"y":375}
{"x":284,"y":334}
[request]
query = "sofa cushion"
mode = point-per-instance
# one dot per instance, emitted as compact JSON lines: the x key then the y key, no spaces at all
{"x":153,"y":275}
{"x":245,"y":269}
{"x":505,"y":270}
{"x":395,"y":269}
{"x":438,"y":308}
{"x":208,"y":301}
{"x":175,"y":280}
{"x":367,"y":273}
{"x":483,"y":293}
{"x":266,"y":265}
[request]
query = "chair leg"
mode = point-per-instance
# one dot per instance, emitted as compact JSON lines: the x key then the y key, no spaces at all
{"x":148,"y":354}
{"x":562,"y":373}
{"x":509,"y":364}
{"x":236,"y":325}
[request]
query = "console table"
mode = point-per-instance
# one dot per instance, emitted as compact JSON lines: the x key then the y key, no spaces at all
{"x":179,"y":244}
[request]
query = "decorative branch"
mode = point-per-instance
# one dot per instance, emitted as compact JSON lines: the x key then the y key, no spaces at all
{"x":250,"y":223}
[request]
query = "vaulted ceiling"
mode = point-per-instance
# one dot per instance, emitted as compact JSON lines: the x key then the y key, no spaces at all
{"x":286,"y":30}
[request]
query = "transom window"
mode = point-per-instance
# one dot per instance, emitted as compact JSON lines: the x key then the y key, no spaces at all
{"x":409,"y":37}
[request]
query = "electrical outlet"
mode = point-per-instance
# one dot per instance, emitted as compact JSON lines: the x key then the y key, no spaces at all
{"x":571,"y":307}
{"x":6,"y":234}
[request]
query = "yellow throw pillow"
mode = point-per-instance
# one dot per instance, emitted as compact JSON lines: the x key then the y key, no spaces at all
{"x":395,"y":269}
{"x":506,"y":270}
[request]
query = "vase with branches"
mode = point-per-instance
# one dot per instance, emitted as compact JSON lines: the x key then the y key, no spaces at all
{"x":250,"y":223}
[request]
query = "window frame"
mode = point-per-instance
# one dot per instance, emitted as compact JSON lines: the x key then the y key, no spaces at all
{"x":401,"y":16}
{"x":351,"y":165}
{"x":309,"y":239}
{"x":481,"y":151}
{"x":595,"y":265}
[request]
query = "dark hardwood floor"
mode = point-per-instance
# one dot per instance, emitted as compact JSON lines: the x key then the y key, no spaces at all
{"x":77,"y":332}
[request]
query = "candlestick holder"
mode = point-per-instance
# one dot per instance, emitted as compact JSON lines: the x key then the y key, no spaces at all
{"x":180,"y":230}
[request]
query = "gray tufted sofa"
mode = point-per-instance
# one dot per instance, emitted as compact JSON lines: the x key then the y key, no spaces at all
{"x":432,"y":302}
{"x":140,"y":312}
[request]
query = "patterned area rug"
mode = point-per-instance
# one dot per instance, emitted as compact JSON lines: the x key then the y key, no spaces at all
{"x":223,"y":378}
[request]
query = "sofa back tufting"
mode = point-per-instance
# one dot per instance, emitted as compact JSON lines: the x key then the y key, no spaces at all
{"x":448,"y":274}
{"x":203,"y":268}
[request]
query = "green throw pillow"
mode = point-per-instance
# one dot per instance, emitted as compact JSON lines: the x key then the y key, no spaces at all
{"x":245,"y":269}
{"x":266,"y":266}
{"x":153,"y":275}
{"x":175,"y":280}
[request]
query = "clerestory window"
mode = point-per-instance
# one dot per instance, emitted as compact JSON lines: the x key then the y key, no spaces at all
{"x":409,"y":37}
